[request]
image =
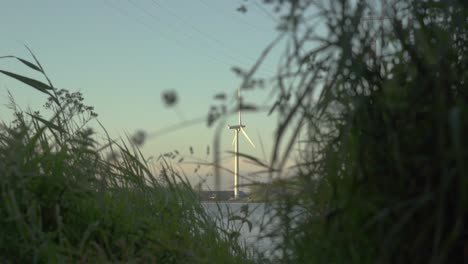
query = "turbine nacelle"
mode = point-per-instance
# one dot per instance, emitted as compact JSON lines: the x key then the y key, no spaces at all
{"x":236,"y":126}
{"x":241,"y":129}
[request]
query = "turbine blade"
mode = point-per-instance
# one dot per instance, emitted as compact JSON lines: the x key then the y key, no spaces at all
{"x":234,"y":139}
{"x":245,"y":134}
{"x":239,"y":106}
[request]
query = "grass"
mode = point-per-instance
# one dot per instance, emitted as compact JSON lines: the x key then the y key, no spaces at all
{"x":67,"y":197}
{"x":382,"y":175}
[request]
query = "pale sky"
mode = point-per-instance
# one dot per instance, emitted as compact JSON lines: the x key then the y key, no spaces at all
{"x":122,"y":54}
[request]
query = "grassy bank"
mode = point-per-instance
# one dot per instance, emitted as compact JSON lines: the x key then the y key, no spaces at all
{"x":379,"y":91}
{"x":68,"y":197}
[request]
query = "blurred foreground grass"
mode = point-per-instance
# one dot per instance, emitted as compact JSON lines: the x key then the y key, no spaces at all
{"x":65,"y":197}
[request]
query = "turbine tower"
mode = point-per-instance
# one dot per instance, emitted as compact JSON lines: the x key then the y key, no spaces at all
{"x":238,"y":128}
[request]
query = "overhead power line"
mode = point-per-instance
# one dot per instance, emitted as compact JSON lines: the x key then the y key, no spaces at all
{"x":231,"y":62}
{"x":198,"y":30}
{"x":265,"y":11}
{"x":168,"y":37}
{"x":250,"y":26}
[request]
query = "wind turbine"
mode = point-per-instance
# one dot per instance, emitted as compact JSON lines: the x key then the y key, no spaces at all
{"x":238,"y":128}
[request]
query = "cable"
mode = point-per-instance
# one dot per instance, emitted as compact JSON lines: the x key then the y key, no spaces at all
{"x":221,"y":43}
{"x":250,"y":25}
{"x":265,"y":11}
{"x":153,"y":16}
{"x":167,"y":36}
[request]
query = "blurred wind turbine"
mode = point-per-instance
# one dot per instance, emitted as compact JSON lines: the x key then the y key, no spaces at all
{"x":238,"y":128}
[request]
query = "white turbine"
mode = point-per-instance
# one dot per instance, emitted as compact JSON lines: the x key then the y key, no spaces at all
{"x":235,"y":142}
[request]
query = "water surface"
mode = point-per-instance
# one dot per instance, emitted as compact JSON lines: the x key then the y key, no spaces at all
{"x":259,"y":239}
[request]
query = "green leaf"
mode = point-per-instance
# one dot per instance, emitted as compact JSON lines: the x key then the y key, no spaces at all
{"x":35,"y":59}
{"x":42,"y":87}
{"x":29,"y":64}
{"x":31,"y":82}
{"x":48,"y":124}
